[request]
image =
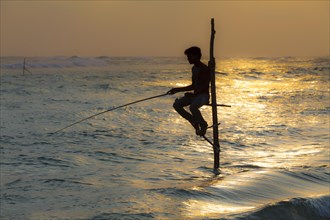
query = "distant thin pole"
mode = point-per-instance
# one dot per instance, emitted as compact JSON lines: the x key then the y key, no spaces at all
{"x":216,"y":145}
{"x":24,"y":67}
{"x":111,"y":109}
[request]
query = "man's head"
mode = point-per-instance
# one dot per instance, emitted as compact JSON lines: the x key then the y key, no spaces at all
{"x":193,"y":54}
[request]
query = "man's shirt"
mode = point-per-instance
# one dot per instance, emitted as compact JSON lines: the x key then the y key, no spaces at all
{"x":201,"y":79}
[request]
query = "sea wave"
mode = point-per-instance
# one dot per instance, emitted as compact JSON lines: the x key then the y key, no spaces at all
{"x":256,"y":194}
{"x":316,"y":208}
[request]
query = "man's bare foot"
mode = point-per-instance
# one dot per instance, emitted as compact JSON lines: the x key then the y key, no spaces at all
{"x":203,"y":129}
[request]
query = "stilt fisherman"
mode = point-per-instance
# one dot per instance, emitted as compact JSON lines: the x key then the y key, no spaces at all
{"x":200,"y":95}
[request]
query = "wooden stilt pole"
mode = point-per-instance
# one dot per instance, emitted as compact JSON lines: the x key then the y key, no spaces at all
{"x":216,"y":145}
{"x":24,"y":66}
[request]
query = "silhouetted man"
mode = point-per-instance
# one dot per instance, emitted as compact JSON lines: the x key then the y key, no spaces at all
{"x":200,"y":95}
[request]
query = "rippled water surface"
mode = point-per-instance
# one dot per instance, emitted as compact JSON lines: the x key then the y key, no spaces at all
{"x":144,"y":161}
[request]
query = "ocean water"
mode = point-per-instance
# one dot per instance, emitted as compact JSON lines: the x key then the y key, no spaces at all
{"x":144,"y":161}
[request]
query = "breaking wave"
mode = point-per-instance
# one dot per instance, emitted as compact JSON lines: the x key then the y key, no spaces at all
{"x":293,"y":209}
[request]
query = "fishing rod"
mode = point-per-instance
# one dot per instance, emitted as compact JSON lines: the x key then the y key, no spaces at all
{"x":111,"y":109}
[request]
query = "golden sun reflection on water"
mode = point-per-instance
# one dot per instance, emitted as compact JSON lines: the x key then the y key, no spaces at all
{"x":209,"y":208}
{"x":270,"y":126}
{"x":198,"y":208}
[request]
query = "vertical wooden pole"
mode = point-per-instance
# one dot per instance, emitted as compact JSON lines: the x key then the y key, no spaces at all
{"x":23,"y":66}
{"x":216,"y":148}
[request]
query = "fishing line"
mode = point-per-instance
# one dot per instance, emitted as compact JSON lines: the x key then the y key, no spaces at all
{"x":111,"y":109}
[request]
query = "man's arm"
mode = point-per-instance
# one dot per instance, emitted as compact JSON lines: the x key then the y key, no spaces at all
{"x":181,"y":89}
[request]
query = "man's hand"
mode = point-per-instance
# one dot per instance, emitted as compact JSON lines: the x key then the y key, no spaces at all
{"x":173,"y":91}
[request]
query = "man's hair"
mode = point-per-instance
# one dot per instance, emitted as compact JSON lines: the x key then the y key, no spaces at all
{"x":194,"y":50}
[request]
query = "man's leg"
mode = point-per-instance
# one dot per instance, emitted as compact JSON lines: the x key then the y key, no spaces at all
{"x":179,"y":105}
{"x":198,"y":102}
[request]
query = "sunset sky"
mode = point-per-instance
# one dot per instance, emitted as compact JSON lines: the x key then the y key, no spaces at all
{"x":164,"y":28}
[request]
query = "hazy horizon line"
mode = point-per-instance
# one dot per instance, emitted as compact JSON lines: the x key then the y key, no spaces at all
{"x":154,"y":56}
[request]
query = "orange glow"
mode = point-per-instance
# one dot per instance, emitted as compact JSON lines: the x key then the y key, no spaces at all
{"x":144,"y":28}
